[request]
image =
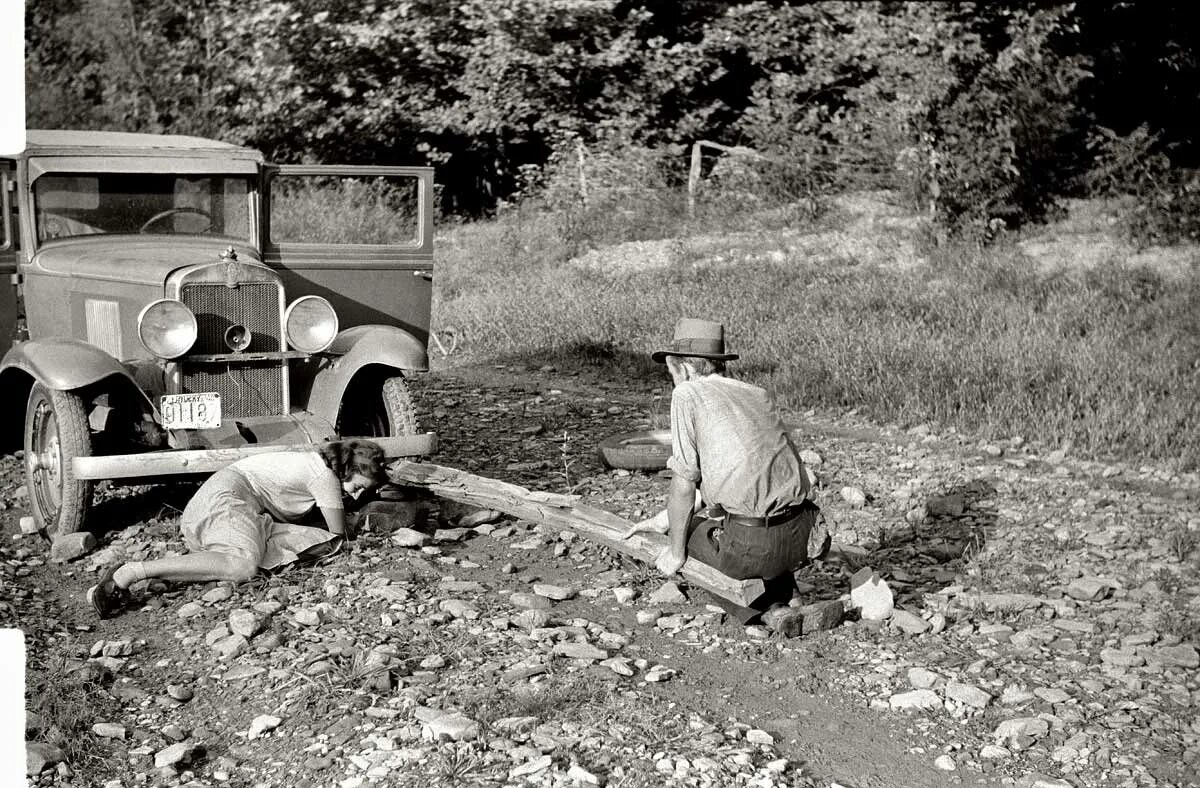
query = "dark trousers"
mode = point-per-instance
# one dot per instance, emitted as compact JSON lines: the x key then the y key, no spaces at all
{"x":743,"y":552}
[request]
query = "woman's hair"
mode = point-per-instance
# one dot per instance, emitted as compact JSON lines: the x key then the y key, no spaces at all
{"x":346,"y":458}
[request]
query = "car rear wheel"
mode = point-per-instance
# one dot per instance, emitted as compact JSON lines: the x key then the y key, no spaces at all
{"x":372,"y":412}
{"x":56,"y":432}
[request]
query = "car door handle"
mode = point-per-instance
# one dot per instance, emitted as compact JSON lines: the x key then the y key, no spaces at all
{"x":426,"y":275}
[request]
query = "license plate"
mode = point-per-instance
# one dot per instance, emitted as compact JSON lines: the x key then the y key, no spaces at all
{"x":200,"y":411}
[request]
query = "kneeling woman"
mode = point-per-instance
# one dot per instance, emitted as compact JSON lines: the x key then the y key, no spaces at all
{"x":248,"y":517}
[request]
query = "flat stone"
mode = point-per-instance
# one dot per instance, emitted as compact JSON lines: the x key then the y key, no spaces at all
{"x":1182,"y":656}
{"x":437,"y":723}
{"x":529,"y":601}
{"x":667,"y":594}
{"x":175,"y":754}
{"x":231,"y":646}
{"x":533,"y":618}
{"x":217,"y":595}
{"x":1052,"y":695}
{"x":920,"y":678}
{"x":109,"y":730}
{"x":190,"y":610}
{"x":756,"y":736}
{"x":623,"y":595}
{"x":68,"y":547}
{"x":245,"y":623}
{"x":946,"y":505}
{"x":557,"y":593}
{"x":915,"y":699}
{"x":871,"y":595}
{"x":180,"y":692}
{"x":450,"y":534}
{"x":908,"y":622}
{"x":407,"y":537}
{"x":1009,"y":731}
{"x":532,"y":766}
{"x":1121,"y":657}
{"x":989,"y":752}
{"x":243,"y":672}
{"x":855,"y":497}
{"x":581,"y":776}
{"x":261,"y":724}
{"x":823,"y":615}
{"x":619,"y":665}
{"x":308,"y":617}
{"x":40,"y":756}
{"x":459,"y":608}
{"x":1089,"y":589}
{"x":577,"y":650}
{"x":967,"y":694}
{"x":945,"y":763}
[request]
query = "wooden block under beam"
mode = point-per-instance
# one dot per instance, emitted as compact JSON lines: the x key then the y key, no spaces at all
{"x":565,"y":511}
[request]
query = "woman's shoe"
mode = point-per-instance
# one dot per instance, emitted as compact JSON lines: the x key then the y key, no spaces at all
{"x":106,"y":597}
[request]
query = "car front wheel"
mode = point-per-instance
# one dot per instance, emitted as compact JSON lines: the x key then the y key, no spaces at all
{"x":377,"y":412}
{"x":56,"y":432}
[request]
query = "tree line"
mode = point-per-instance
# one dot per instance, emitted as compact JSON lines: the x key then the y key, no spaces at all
{"x":986,"y":114}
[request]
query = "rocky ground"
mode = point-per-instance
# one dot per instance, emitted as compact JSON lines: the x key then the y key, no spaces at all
{"x":1045,"y":629}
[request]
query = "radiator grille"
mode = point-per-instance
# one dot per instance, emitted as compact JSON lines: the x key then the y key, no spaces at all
{"x":246,"y":389}
{"x":254,"y":305}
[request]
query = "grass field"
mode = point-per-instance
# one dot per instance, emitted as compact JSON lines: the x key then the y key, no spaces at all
{"x":1107,"y":358}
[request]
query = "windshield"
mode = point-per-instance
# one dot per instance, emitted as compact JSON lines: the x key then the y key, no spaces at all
{"x":70,"y":205}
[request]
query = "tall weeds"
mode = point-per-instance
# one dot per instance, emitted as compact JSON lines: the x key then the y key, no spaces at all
{"x":1108,"y":359}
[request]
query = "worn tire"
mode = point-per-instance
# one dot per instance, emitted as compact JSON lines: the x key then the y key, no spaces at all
{"x":369,"y":412}
{"x":56,"y":431}
{"x":641,"y":450}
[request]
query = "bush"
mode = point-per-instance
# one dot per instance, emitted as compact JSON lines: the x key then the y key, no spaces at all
{"x":1164,"y":201}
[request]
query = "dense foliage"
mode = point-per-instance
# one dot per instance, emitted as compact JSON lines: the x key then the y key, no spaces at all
{"x":985,"y":114}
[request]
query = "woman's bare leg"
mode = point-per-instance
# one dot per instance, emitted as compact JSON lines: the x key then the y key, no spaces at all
{"x":189,"y":568}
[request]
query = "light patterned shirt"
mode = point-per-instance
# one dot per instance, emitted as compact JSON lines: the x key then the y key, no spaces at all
{"x":728,"y":437}
{"x":290,"y":483}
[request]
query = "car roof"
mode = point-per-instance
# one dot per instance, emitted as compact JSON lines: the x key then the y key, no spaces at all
{"x":67,"y":142}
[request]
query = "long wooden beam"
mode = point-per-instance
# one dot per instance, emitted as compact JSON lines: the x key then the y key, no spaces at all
{"x":565,"y":511}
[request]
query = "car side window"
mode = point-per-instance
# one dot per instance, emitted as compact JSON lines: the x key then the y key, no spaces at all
{"x":10,"y":229}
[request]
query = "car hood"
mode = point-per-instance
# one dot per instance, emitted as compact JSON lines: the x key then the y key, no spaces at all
{"x":137,"y":259}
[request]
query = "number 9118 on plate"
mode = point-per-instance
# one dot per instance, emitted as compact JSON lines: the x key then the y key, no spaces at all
{"x":199,"y":411}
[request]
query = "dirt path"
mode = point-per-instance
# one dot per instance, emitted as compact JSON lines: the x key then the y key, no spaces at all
{"x":1061,"y":644}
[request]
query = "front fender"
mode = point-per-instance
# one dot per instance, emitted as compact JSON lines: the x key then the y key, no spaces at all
{"x":354,"y":350}
{"x":63,"y":364}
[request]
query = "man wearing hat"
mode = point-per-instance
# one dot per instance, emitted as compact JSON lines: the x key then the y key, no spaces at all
{"x":730,"y":445}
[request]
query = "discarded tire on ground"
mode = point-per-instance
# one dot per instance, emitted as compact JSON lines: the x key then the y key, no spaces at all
{"x":642,"y":450}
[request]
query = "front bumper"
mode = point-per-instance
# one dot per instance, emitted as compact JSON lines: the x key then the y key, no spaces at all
{"x":184,"y":461}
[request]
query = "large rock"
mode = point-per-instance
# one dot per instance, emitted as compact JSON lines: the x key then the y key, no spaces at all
{"x":576,"y":650}
{"x":437,"y":723}
{"x":915,"y":699}
{"x":177,"y":754}
{"x":261,"y":724}
{"x":967,"y":694}
{"x":1181,"y":656}
{"x":871,"y":595}
{"x":667,"y":594}
{"x":68,"y":547}
{"x":245,"y":623}
{"x":555,"y":592}
{"x":908,"y":622}
{"x":40,"y":756}
{"x":1020,"y":733}
{"x":946,"y":505}
{"x":231,"y":646}
{"x":823,"y":615}
{"x":407,"y":537}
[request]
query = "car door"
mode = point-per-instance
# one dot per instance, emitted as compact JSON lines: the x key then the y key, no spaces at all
{"x":10,"y":231}
{"x":362,"y":237}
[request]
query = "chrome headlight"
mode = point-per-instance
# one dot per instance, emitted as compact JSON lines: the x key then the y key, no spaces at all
{"x":167,"y":328}
{"x":311,"y":324}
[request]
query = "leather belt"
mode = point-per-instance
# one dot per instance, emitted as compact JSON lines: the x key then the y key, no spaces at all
{"x":778,"y":518}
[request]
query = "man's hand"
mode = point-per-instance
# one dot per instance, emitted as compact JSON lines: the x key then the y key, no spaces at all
{"x":658,"y":524}
{"x":669,"y":562}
